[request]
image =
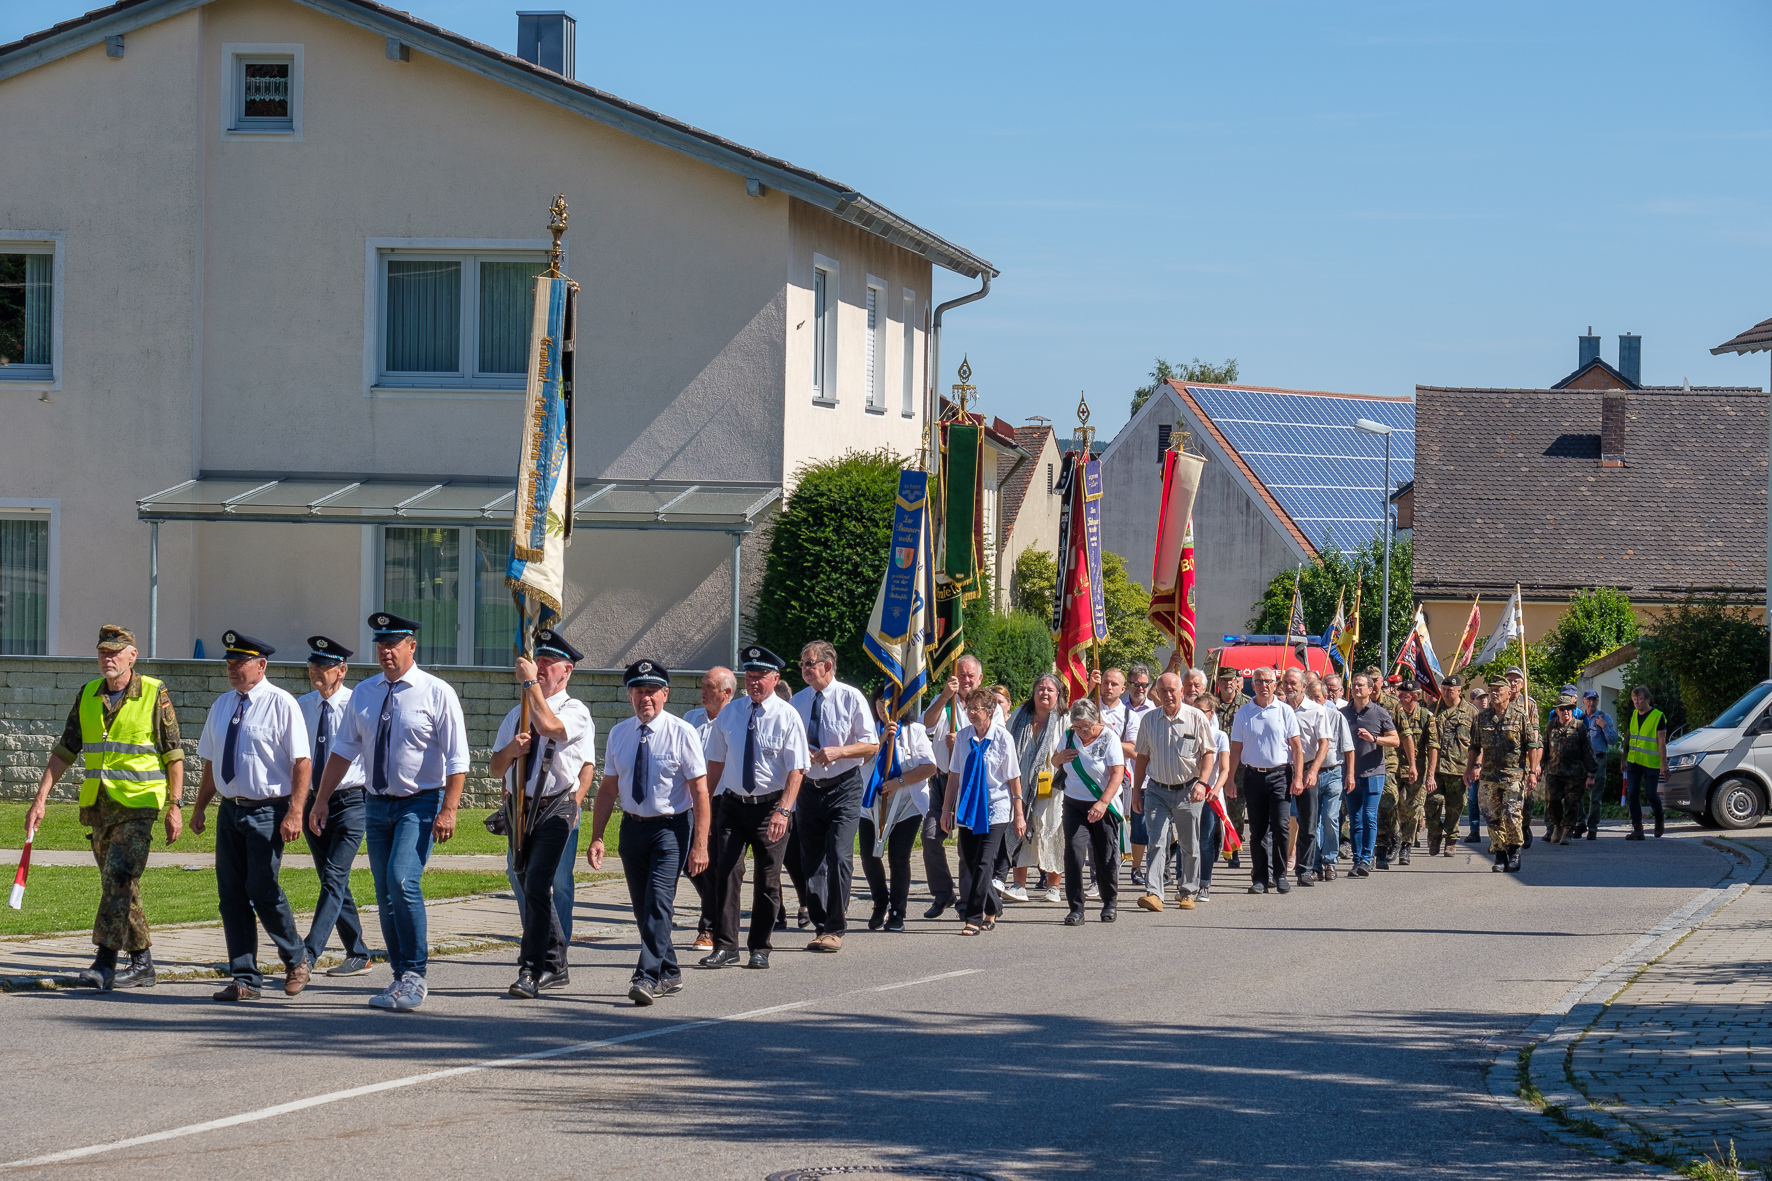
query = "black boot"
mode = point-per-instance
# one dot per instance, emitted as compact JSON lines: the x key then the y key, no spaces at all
{"x":1403,"y":855}
{"x":1528,"y":827}
{"x":1500,"y":865}
{"x":103,"y":970}
{"x":1660,"y":825}
{"x":1513,"y":859}
{"x":138,"y":973}
{"x":878,"y":918}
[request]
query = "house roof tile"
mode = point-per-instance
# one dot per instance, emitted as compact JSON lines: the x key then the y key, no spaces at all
{"x":1013,"y":481}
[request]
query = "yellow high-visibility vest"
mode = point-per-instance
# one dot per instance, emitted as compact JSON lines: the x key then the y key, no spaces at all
{"x":123,"y":758}
{"x":1644,"y":751}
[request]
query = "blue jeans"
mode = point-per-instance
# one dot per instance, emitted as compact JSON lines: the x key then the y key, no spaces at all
{"x":334,"y":851}
{"x":1475,"y":805}
{"x":1362,"y":814}
{"x":399,"y":832}
{"x":1211,"y":843}
{"x":564,"y":882}
{"x":1328,"y":817}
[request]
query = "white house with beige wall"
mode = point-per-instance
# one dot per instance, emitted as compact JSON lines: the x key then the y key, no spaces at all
{"x":271,"y":264}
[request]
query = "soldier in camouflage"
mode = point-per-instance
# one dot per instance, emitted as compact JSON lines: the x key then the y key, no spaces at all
{"x":1504,"y":759}
{"x":1228,"y":691}
{"x":123,"y":802}
{"x":1571,"y":763}
{"x":1448,"y":750}
{"x":1387,"y":805}
{"x":1405,"y":817}
{"x":1517,"y":678}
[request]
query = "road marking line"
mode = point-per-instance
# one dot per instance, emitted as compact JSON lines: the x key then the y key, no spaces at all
{"x":264,"y":1113}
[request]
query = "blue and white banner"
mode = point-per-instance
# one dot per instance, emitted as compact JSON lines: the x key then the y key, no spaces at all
{"x":541,"y":525}
{"x":1092,"y":538}
{"x":898,"y":630}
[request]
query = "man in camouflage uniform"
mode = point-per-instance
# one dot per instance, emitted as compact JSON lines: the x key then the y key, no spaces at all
{"x":1448,"y":750}
{"x":120,"y":834}
{"x":1571,"y":753}
{"x":1517,"y":679}
{"x":1386,"y":697}
{"x":1405,"y":817}
{"x":1228,"y":691}
{"x":1504,"y":758}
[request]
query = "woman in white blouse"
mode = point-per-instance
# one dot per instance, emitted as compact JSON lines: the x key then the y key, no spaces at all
{"x":1094,"y":823}
{"x":984,"y":802}
{"x":891,"y":825}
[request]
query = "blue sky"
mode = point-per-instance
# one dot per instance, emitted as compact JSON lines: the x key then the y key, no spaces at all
{"x":1351,"y":196}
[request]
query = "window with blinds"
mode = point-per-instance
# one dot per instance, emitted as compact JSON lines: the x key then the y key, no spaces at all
{"x":1164,"y":430}
{"x":874,"y":349}
{"x":24,"y":587}
{"x":824,"y":331}
{"x":27,"y":307}
{"x":264,"y":94}
{"x":456,"y":320}
{"x":421,"y":579}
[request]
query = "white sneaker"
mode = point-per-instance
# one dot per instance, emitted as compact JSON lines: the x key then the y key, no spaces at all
{"x":411,"y":993}
{"x":1052,"y":894}
{"x":1092,"y":892}
{"x":385,"y":998}
{"x":997,"y":885}
{"x":1017,"y":893}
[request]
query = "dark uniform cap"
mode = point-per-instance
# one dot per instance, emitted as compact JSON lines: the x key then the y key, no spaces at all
{"x":1453,"y":682}
{"x":647,"y":674}
{"x":325,"y":650}
{"x":554,"y":644}
{"x":758,"y":659}
{"x":114,"y":638}
{"x":1566,"y":701}
{"x":241,"y":646}
{"x":390,"y":628}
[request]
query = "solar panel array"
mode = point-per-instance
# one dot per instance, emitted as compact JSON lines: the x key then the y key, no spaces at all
{"x":1325,"y":472}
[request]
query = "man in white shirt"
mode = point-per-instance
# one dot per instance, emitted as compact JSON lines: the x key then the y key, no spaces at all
{"x":717,"y":687}
{"x":1266,"y":746}
{"x":1334,"y":694}
{"x":840,"y":739}
{"x":756,"y":755}
{"x":1133,"y":706}
{"x":545,"y":760}
{"x":407,"y":727}
{"x":255,"y":752}
{"x":333,"y":847}
{"x":656,"y":770}
{"x":939,"y":719}
{"x":1320,"y":736}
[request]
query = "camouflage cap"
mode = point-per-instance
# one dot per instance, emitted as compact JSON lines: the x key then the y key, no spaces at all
{"x":1500,"y":683}
{"x":1566,"y":701}
{"x":114,"y":638}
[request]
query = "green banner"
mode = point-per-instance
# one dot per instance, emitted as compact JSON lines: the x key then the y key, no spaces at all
{"x":960,"y":499}
{"x":950,"y":634}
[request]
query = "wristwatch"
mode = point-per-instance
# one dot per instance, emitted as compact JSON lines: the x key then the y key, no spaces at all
{"x":785,"y":811}
{"x":526,"y":684}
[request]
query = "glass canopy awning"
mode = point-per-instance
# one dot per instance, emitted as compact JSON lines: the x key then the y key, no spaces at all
{"x":712,"y":507}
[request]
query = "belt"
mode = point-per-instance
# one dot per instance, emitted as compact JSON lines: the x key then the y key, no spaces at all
{"x":254,"y":805}
{"x":771,"y":799}
{"x":1188,"y":786}
{"x":629,"y":818}
{"x":339,"y":794}
{"x":835,"y":780}
{"x":1264,"y":770}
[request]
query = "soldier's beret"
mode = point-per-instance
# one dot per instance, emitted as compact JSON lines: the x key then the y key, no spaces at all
{"x":646,"y":674}
{"x":241,"y":646}
{"x":554,"y":644}
{"x":325,"y":650}
{"x":390,"y":628}
{"x":758,"y":659}
{"x":1453,"y":682}
{"x":114,"y":638}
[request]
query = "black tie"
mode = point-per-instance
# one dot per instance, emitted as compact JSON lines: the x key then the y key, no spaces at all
{"x":384,"y":738}
{"x":815,"y":728}
{"x":322,"y":740}
{"x":232,"y":745}
{"x":642,"y":766}
{"x":750,"y":750}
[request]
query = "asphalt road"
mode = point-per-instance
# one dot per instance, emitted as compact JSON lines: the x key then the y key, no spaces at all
{"x":1340,"y":1031}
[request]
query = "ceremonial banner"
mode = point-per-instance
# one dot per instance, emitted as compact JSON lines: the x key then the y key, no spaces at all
{"x":1427,"y":647}
{"x":956,"y":542}
{"x":1414,"y":658}
{"x":1467,"y":643}
{"x":1092,"y":543}
{"x":1076,"y":598}
{"x":1066,"y":475}
{"x":1350,"y":633}
{"x":1338,"y":625}
{"x":898,"y":631}
{"x":541,"y":524}
{"x":1172,"y":563}
{"x":1506,"y":628}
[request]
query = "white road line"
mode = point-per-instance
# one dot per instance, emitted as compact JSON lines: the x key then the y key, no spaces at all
{"x":264,"y":1113}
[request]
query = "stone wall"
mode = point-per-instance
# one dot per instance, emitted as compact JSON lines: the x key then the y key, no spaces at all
{"x":36,"y":693}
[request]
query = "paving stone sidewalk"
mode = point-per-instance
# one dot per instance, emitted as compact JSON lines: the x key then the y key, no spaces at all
{"x":295,"y":857}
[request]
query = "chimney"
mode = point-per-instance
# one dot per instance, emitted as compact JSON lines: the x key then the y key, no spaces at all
{"x":1612,"y":418}
{"x":1630,"y":357}
{"x":1590,"y":348}
{"x":548,"y":40}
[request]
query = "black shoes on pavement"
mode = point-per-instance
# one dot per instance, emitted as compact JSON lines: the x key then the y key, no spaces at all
{"x":523,"y":987}
{"x":549,"y":980}
{"x":936,"y":907}
{"x":138,"y":973}
{"x":895,"y":921}
{"x":718,"y":959}
{"x":103,"y":971}
{"x":878,"y":918}
{"x":758,"y":960}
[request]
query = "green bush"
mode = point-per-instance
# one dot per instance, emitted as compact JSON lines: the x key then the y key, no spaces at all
{"x":1014,"y":649}
{"x":1596,"y":622}
{"x":1132,"y":637}
{"x":1033,"y":583}
{"x":827,"y":553}
{"x":1322,"y":582}
{"x":1701,"y":655}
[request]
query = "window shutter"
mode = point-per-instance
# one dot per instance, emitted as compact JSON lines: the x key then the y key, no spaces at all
{"x":1163,"y":432}
{"x":871,"y":352}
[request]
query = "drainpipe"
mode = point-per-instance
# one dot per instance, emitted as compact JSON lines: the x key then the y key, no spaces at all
{"x":933,"y":411}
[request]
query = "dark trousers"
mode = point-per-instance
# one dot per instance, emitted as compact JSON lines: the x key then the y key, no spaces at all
{"x":826,"y":814}
{"x":565,"y":885}
{"x":1310,"y":807}
{"x":1100,"y":843}
{"x":978,"y":853}
{"x":1638,"y":781}
{"x":741,"y":824}
{"x":704,"y":881}
{"x":545,"y":846}
{"x":792,"y":863}
{"x":652,"y":853}
{"x":898,"y":857}
{"x":935,"y":853}
{"x":248,"y":856}
{"x":1270,"y":807}
{"x":334,"y":851}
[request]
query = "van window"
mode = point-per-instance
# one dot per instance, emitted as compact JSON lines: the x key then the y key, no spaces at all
{"x":1738,"y":713}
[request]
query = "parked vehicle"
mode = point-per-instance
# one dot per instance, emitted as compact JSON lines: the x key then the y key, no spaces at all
{"x":1722,"y":773}
{"x":1246,"y":653}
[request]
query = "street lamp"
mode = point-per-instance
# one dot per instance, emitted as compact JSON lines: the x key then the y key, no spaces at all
{"x":1384,"y":621}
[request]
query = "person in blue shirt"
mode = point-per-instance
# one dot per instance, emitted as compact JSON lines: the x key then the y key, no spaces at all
{"x":1603,"y":733}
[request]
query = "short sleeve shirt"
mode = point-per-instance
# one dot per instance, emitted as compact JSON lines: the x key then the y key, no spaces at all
{"x":555,"y":764}
{"x":1321,"y":724}
{"x":335,"y":706}
{"x":780,"y":744}
{"x":1001,"y":765}
{"x":1173,"y":745}
{"x":1265,"y":733}
{"x":272,"y":737}
{"x":1097,"y":759}
{"x":673,"y":758}
{"x":1376,"y":721}
{"x":938,"y":734}
{"x":913,"y":750}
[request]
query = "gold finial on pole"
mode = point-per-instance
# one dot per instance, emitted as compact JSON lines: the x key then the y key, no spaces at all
{"x":964,"y":390}
{"x":556,"y":227}
{"x":1084,"y":435}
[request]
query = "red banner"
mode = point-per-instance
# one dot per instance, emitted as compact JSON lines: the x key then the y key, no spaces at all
{"x":1076,"y":626}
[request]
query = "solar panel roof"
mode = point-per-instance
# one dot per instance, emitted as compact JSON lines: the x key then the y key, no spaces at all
{"x":1327,"y":474}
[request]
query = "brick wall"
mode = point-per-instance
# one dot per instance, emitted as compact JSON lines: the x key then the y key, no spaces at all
{"x":37,"y":692}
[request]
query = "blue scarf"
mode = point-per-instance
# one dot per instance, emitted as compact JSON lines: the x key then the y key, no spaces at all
{"x":885,"y":767}
{"x":974,"y":806}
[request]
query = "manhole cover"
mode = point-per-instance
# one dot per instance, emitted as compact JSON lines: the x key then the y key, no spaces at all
{"x":915,"y":1172}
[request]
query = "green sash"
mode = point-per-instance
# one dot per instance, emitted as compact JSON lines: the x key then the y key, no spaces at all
{"x":1075,"y":767}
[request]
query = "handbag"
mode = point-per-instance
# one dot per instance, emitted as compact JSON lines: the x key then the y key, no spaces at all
{"x":1043,"y":784}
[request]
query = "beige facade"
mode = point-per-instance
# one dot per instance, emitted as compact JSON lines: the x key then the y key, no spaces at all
{"x":1038,"y":506}
{"x":221,"y":308}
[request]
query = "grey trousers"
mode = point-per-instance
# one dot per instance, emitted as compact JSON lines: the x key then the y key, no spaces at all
{"x":1171,"y":815}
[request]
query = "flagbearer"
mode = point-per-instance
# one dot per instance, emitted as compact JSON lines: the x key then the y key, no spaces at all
{"x":125,"y":725}
{"x":407,"y":727}
{"x":255,"y":752}
{"x":334,"y":846}
{"x":840,"y":738}
{"x":560,"y":740}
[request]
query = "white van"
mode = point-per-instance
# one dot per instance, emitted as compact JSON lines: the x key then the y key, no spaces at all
{"x":1722,"y":773}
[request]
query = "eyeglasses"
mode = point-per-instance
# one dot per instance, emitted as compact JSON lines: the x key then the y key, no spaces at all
{"x":811,"y":663}
{"x":1141,"y":684}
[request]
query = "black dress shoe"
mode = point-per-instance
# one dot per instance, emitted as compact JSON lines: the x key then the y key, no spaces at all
{"x":878,"y":918}
{"x":138,"y":973}
{"x":1660,"y":826}
{"x":642,"y":991}
{"x":354,"y":965}
{"x":895,"y":921}
{"x":558,"y":979}
{"x":1593,"y":834}
{"x":718,"y":959}
{"x":1074,"y":919}
{"x":523,"y":986}
{"x":1634,"y":836}
{"x":669,"y":986}
{"x":1109,"y":914}
{"x":759,"y":959}
{"x":936,"y":907}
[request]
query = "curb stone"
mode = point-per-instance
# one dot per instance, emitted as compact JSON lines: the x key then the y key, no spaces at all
{"x":1555,"y":1032}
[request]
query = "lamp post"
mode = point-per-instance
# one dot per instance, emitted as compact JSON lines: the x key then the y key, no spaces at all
{"x":1384,"y":620}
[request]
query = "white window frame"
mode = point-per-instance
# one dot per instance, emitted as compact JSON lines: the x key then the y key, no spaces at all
{"x":824,"y":329}
{"x":235,"y":55}
{"x":466,"y":383}
{"x":36,"y":509}
{"x":31,"y":377}
{"x":908,"y":343}
{"x":874,"y":347}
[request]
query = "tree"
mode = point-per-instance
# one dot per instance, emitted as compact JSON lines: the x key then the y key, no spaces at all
{"x":1596,"y":622}
{"x":1014,"y":649}
{"x":1203,"y":372}
{"x":827,"y":552}
{"x":1033,"y":583}
{"x":1713,"y":649}
{"x":1325,"y":580}
{"x":1132,"y":638}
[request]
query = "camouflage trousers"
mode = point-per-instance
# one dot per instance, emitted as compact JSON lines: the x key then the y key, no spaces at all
{"x":1564,"y":796}
{"x":1505,"y":801}
{"x":120,"y":845}
{"x":1444,"y":807}
{"x":1399,"y":813}
{"x":1239,"y":814}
